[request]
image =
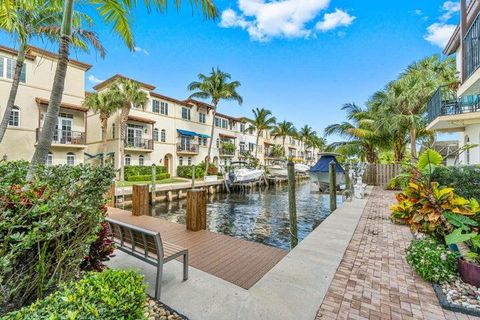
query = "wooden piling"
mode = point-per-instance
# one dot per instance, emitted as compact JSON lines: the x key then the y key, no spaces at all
{"x":140,"y":200}
{"x":292,"y":205}
{"x":196,"y":209}
{"x":333,"y":186}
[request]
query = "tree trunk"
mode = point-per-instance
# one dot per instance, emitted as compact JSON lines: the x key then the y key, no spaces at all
{"x":212,"y":131}
{"x":256,"y":144}
{"x":13,"y":90}
{"x":104,"y":121}
{"x":283,"y":145}
{"x":413,"y":142}
{"x":123,"y":129}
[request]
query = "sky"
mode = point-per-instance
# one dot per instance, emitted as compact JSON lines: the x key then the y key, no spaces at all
{"x":302,"y":59}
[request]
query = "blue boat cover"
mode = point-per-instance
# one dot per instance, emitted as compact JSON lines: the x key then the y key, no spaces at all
{"x":187,"y":133}
{"x":322,"y":164}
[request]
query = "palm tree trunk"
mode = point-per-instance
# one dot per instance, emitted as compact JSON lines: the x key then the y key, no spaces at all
{"x":123,"y":130}
{"x":51,"y":117}
{"x":210,"y":144}
{"x":413,"y":142}
{"x":104,"y":121}
{"x":13,"y":90}
{"x":256,"y":144}
{"x":283,"y":144}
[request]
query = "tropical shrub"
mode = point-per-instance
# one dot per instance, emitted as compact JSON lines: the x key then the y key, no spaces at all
{"x":109,"y":295}
{"x":46,"y":226}
{"x":228,"y":147}
{"x":465,"y":180}
{"x":148,"y":177}
{"x":432,"y":260}
{"x":100,"y":251}
{"x":186,"y":172}
{"x":134,"y":171}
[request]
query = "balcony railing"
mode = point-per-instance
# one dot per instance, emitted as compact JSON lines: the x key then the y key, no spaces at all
{"x":227,"y":152}
{"x":445,"y":102}
{"x":67,"y":137}
{"x":139,"y":143}
{"x":472,"y":49}
{"x":187,"y":148}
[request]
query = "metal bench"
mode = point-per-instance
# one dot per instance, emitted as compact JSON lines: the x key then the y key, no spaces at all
{"x":147,"y":246}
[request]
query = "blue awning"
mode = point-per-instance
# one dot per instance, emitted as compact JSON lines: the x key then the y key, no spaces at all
{"x":187,"y":133}
{"x":201,"y":135}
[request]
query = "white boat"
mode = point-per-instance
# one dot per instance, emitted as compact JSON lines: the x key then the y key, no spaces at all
{"x":277,"y":170}
{"x":319,"y":173}
{"x":240,"y":173}
{"x":301,"y":168}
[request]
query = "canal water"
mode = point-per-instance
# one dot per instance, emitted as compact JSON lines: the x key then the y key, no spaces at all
{"x":260,"y":216}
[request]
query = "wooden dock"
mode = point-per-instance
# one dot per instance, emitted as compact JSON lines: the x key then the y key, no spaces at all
{"x":237,"y":261}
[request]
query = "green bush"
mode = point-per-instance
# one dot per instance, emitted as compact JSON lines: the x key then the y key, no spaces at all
{"x":186,"y":171}
{"x":109,"y":295}
{"x":131,"y":171}
{"x":46,"y":226}
{"x":148,"y":177}
{"x":432,"y":260}
{"x":465,"y":180}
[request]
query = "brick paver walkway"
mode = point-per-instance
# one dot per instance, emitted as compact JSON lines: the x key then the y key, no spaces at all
{"x":374,"y":280}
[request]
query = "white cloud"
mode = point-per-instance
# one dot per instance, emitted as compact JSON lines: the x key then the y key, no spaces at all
{"x":94,"y":79}
{"x":449,"y":8}
{"x":333,"y":20}
{"x":139,"y":49}
{"x":438,"y":34}
{"x":418,"y":12}
{"x":267,"y":19}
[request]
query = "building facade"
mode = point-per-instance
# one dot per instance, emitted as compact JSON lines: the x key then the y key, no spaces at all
{"x":165,"y":131}
{"x":456,"y":108}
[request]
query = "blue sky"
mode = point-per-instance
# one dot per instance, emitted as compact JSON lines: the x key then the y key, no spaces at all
{"x":302,"y":59}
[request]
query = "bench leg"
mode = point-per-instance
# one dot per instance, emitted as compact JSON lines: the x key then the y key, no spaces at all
{"x":185,"y":266}
{"x":158,"y":282}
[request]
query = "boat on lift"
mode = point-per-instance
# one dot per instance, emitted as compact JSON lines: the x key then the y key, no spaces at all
{"x":241,"y":173}
{"x":319,"y":173}
{"x":301,"y":168}
{"x":278,"y":169}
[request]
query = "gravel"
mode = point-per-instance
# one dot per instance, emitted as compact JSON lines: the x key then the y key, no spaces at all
{"x":463,"y":294}
{"x":155,"y":310}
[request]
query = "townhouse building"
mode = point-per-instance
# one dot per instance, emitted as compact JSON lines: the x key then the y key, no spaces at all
{"x":28,"y":114}
{"x":456,"y":107}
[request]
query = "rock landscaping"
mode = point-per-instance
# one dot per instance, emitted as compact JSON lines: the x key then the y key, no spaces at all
{"x":155,"y":310}
{"x":462,"y":294}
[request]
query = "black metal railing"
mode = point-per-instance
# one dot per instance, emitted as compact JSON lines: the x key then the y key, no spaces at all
{"x":227,"y":152}
{"x":445,"y":102}
{"x":139,"y":143}
{"x":187,"y":147}
{"x":67,"y":137}
{"x":472,"y":49}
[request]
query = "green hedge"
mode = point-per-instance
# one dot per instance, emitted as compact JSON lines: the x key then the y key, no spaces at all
{"x":148,"y":177}
{"x":142,"y":171}
{"x":186,"y":171}
{"x":109,"y":295}
{"x":465,"y":180}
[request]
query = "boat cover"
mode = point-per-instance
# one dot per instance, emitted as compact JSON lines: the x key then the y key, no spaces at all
{"x":323,"y":162}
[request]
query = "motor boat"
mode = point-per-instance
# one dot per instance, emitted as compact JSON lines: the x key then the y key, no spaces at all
{"x":301,"y":168}
{"x":319,"y":173}
{"x":240,"y":173}
{"x":278,"y":169}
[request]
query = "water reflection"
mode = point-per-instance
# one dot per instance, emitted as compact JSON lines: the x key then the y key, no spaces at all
{"x":260,"y":216}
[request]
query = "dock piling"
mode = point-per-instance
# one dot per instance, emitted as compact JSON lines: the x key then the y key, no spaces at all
{"x":332,"y":186}
{"x":292,"y":205}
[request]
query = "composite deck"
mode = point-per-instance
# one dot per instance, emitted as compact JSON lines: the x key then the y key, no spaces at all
{"x":237,"y":261}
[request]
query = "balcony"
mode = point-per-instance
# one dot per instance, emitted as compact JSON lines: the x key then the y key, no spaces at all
{"x":472,"y":49}
{"x":67,"y":138}
{"x":187,"y":148}
{"x":227,"y":152}
{"x":138,"y":144}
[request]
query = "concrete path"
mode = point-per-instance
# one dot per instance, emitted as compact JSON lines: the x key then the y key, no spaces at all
{"x":293,"y":289}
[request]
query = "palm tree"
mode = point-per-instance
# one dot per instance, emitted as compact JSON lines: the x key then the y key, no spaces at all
{"x":262,"y":121}
{"x":215,"y":87}
{"x":305,"y":134}
{"x":115,"y":13}
{"x":283,"y":129}
{"x":30,"y":18}
{"x":130,"y":95}
{"x":104,"y":103}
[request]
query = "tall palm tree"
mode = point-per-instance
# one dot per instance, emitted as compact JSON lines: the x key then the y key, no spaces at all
{"x":116,"y":13}
{"x":262,"y":121}
{"x":305,"y":134}
{"x":216,"y":87}
{"x":284,"y":129}
{"x":25,"y":19}
{"x":104,"y":103}
{"x":130,"y":95}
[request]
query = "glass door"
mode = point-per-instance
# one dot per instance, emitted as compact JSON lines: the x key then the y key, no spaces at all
{"x":185,"y":143}
{"x":63,"y":134}
{"x":134,"y":136}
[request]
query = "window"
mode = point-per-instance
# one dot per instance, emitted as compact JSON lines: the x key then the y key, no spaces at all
{"x":128,"y":159}
{"x":251,"y":147}
{"x":49,"y":159}
{"x":140,"y":160}
{"x":242,"y":146}
{"x":242,"y":127}
{"x":113,"y":130}
{"x":189,"y":161}
{"x":155,"y":134}
{"x":7,"y":69}
{"x":202,"y":117}
{"x":180,"y":161}
{"x":224,"y":124}
{"x":70,"y":159}
{"x":204,"y":142}
{"x":186,"y":113}
{"x":218,"y":143}
{"x":218,"y":122}
{"x":163,"y":136}
{"x":14,"y":120}
{"x":164,"y":108}
{"x":155,"y":106}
